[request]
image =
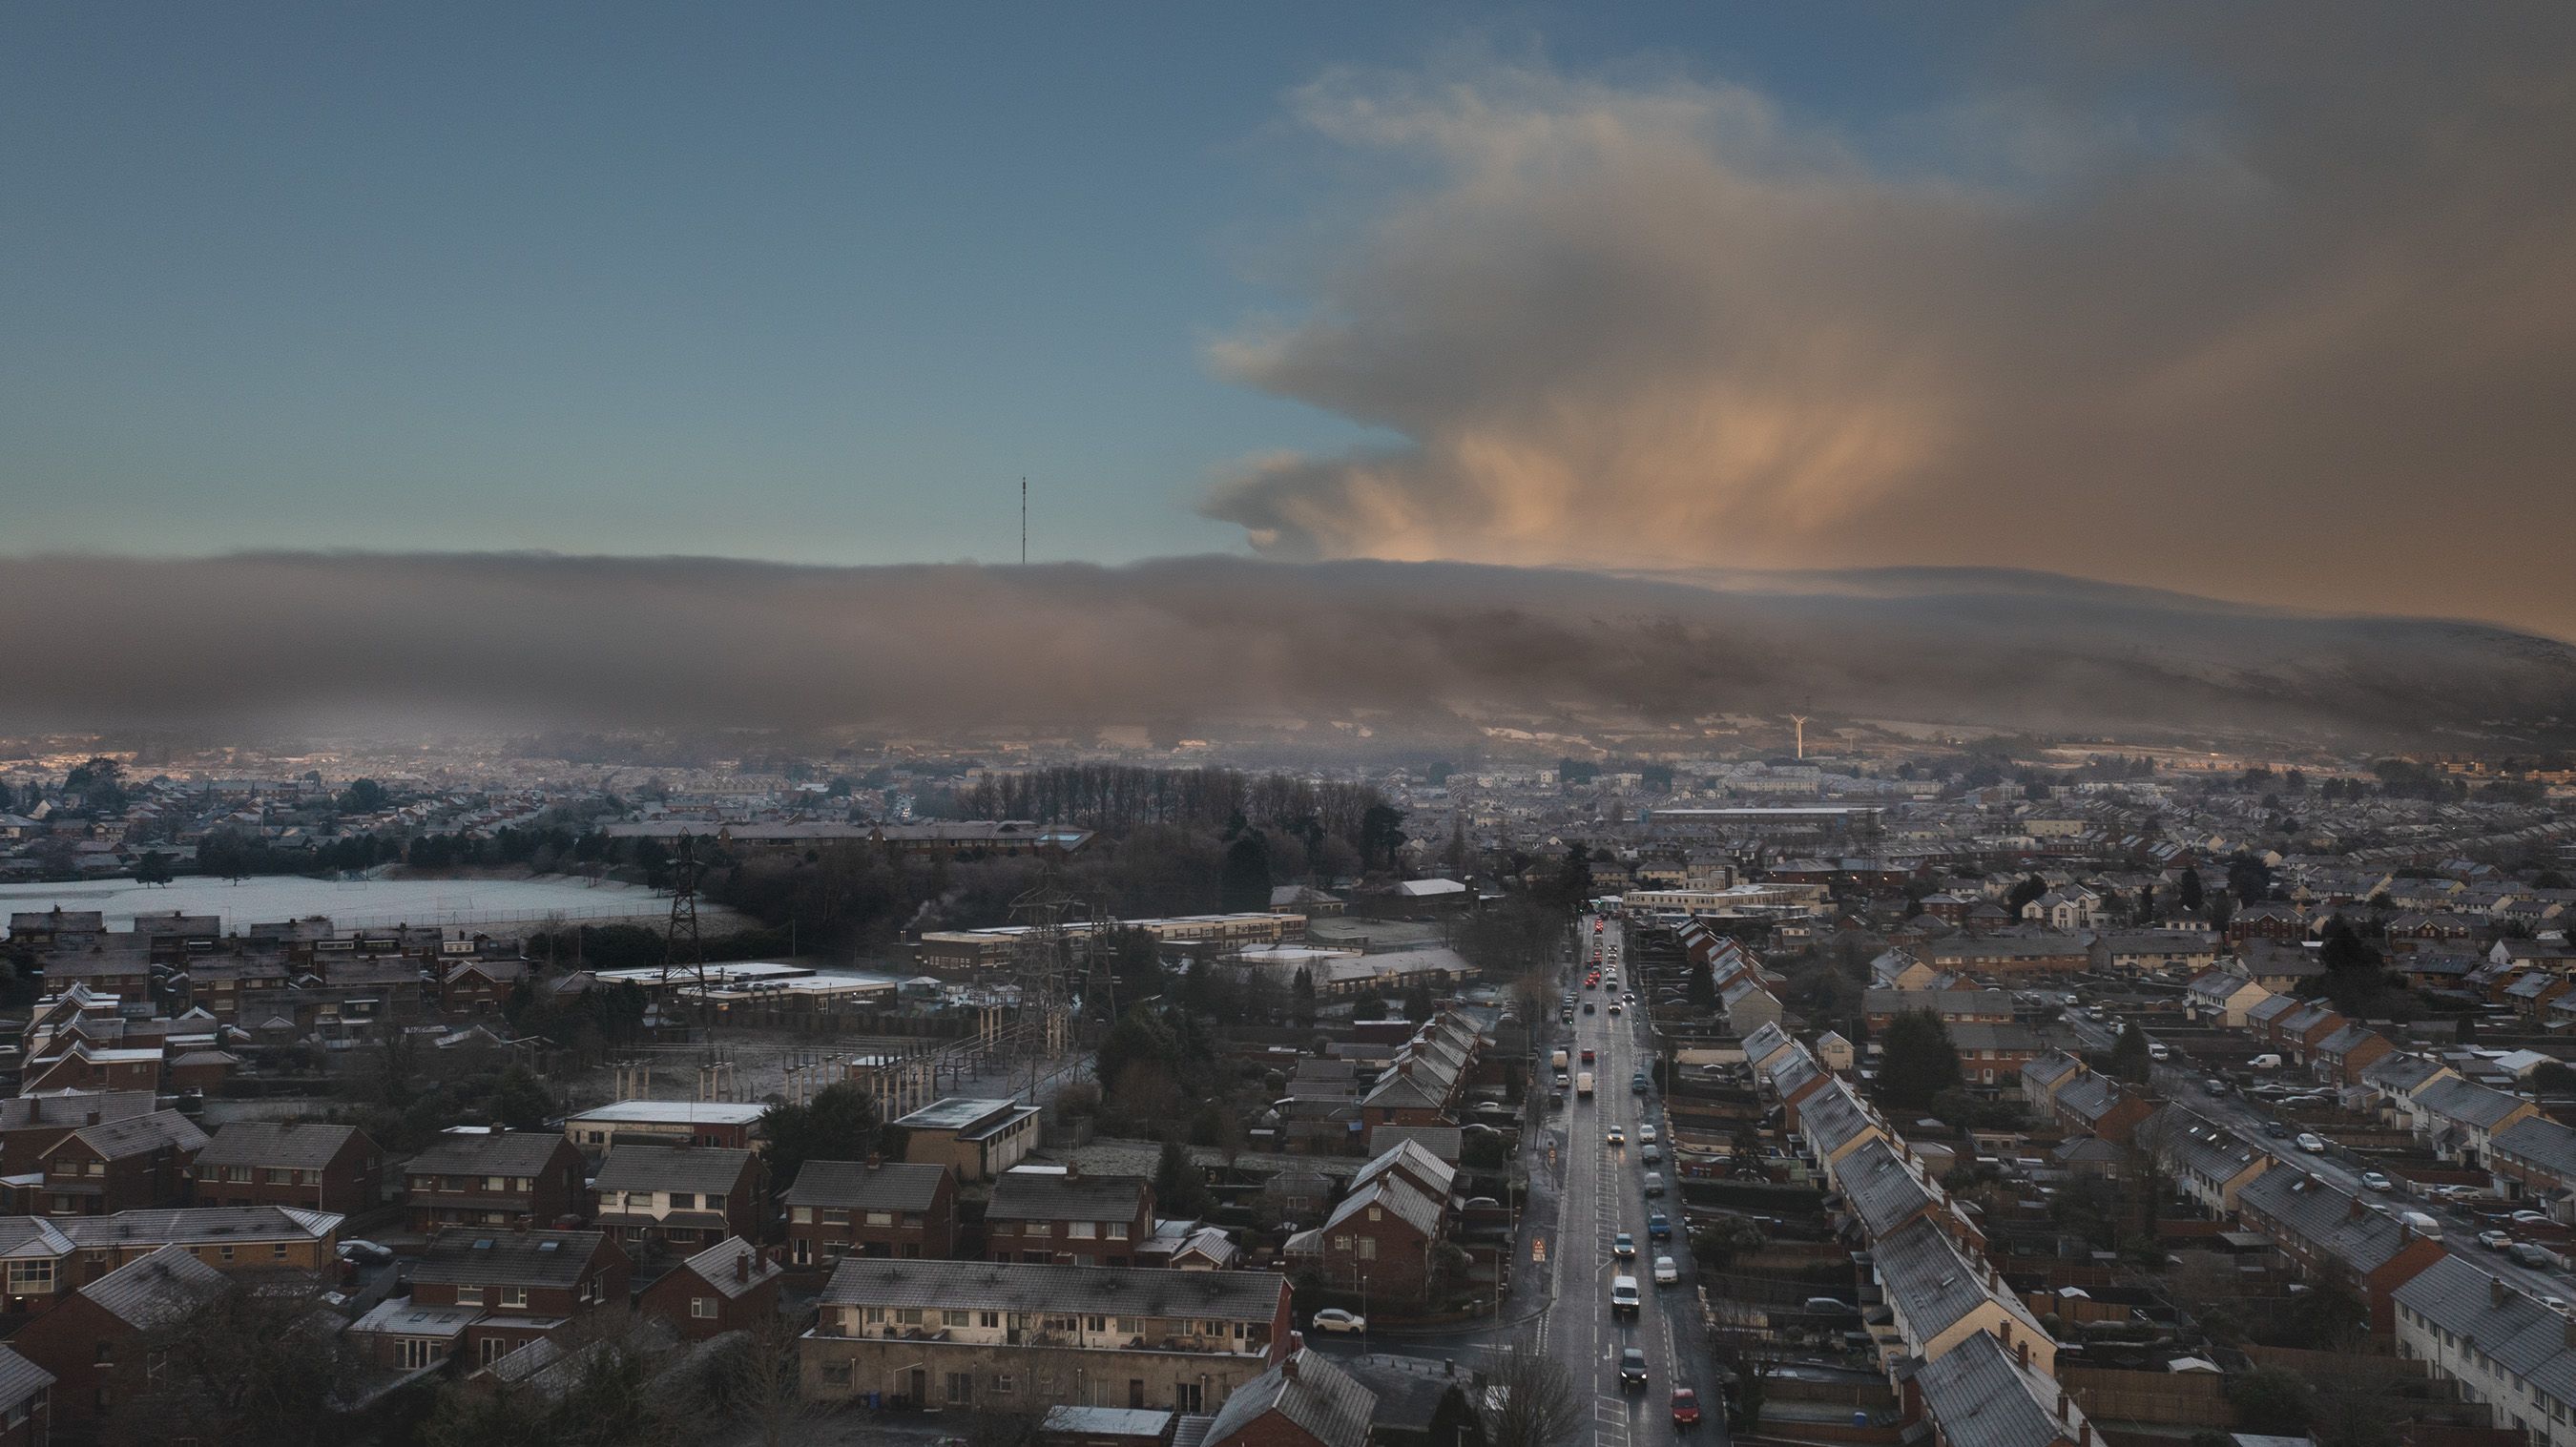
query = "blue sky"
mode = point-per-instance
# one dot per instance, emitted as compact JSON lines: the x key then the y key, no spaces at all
{"x":804,"y":282}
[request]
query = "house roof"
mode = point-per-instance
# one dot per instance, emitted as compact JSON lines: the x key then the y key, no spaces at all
{"x":1434,"y":1175}
{"x":2330,"y":1221}
{"x":1982,"y":1398}
{"x":1246,"y":1296}
{"x":469,"y":1256}
{"x":499,"y":1153}
{"x":2400,"y":1072}
{"x":716,"y":1266}
{"x":70,"y":1109}
{"x":1323,"y":1401}
{"x":2467,"y":1103}
{"x":1394,"y":1194}
{"x":1882,"y":1189}
{"x":201,"y":1225}
{"x":1934,"y":1286}
{"x":152,"y":1289}
{"x":856,"y":1185}
{"x":2539,"y":1141}
{"x":2051,"y":1069}
{"x":2524,"y":1336}
{"x":711,"y":1169}
{"x":1025,"y":1194}
{"x":137,"y":1135}
{"x":1833,"y":1117}
{"x":20,"y":1378}
{"x":284,"y":1144}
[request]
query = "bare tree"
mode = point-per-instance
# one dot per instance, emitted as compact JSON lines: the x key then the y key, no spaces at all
{"x":764,"y":1388}
{"x":1530,"y":1399}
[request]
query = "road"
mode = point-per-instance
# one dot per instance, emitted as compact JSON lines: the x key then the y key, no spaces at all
{"x":2247,"y":1119}
{"x":1600,"y":1195}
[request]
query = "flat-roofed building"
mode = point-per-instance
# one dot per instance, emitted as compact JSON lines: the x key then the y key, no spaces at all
{"x":729,"y":1125}
{"x":975,"y":1137}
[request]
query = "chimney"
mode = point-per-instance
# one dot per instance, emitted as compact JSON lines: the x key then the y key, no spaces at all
{"x":1072,"y":1171}
{"x":2085,"y":1435}
{"x":742,"y":1267}
{"x":2356,"y":1208}
{"x":875,"y":1160}
{"x":1288,"y":1366}
{"x":2021,"y":1352}
{"x":2495,"y":1291}
{"x":2569,"y":1323}
{"x":93,"y":1115}
{"x":2061,"y":1404}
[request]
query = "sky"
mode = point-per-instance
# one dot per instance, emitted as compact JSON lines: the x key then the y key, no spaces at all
{"x":2269,"y":303}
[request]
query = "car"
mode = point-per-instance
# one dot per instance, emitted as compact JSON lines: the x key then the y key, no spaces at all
{"x":1587,"y":1007}
{"x":1646,"y":1135}
{"x":2494,"y":1240}
{"x":1336,"y":1320}
{"x":1623,"y":1246}
{"x":366,"y":1253}
{"x":2524,"y":1253}
{"x":1587,"y":1054}
{"x":1667,"y":1271}
{"x":2214,"y":1086}
{"x":1623,"y":1296}
{"x":1654,"y":1184}
{"x":1659,"y":1227}
{"x":1616,"y":1137}
{"x":1630,"y":997}
{"x":2276,"y":1130}
{"x":1614,"y":1007}
{"x":2311,"y":1142}
{"x":1685,"y":1408}
{"x":2374,"y":1181}
{"x":1563,"y":1080}
{"x":1596,"y":926}
{"x":1632,"y":1368}
{"x":2529,"y":1218}
{"x":1637,"y":1082}
{"x":1650,"y":1156}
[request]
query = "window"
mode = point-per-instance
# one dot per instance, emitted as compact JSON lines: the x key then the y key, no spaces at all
{"x":907,"y":1316}
{"x":1117,"y":1230}
{"x":1002,"y":1382}
{"x":469,"y":1296}
{"x":277,"y":1251}
{"x":880,"y":1218}
{"x":496,"y":1183}
{"x":703,"y":1307}
{"x":412,"y":1353}
{"x":95,"y":1168}
{"x":514,"y":1296}
{"x":912,"y":1218}
{"x":715,"y":1201}
{"x":801,"y":1215}
{"x":31,"y":1278}
{"x":988,"y":1318}
{"x":105,"y":1353}
{"x":1082,"y":1231}
{"x":1038,"y":1228}
{"x":961,"y":1388}
{"x":527,"y":1183}
{"x":1188,"y":1397}
{"x":836,"y":1374}
{"x":1368,"y":1248}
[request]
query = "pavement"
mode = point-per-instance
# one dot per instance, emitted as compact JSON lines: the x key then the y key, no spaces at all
{"x":2247,"y":1119}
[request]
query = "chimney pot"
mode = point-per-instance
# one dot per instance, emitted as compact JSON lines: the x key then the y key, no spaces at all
{"x":2061,"y":1403}
{"x":2495,"y":1290}
{"x":2021,"y":1351}
{"x":1288,"y":1366}
{"x":742,"y":1267}
{"x":875,"y":1160}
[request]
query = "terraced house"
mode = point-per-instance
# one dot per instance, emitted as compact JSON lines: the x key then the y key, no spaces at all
{"x":2516,"y":1355}
{"x":964,"y":1334}
{"x":2332,"y":1235}
{"x":681,"y":1195}
{"x":495,"y":1178}
{"x":288,"y":1163}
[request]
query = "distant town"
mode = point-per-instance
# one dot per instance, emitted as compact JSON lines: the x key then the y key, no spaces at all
{"x":2012,"y":1090}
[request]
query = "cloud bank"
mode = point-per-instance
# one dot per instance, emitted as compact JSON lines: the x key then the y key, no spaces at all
{"x":2277,"y":301}
{"x":422,"y":643}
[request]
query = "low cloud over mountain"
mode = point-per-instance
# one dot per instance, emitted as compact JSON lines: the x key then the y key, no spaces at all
{"x":395,"y":642}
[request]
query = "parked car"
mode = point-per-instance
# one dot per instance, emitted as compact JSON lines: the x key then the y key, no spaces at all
{"x":1334,"y":1319}
{"x":2373,"y":1180}
{"x":1685,"y":1408}
{"x":2494,"y":1240}
{"x":2214,"y":1086}
{"x":1646,"y":1135}
{"x":2312,"y":1143}
{"x":1667,"y":1271}
{"x":365,"y":1253}
{"x":2526,"y":1254}
{"x":2275,"y":1129}
{"x":1654,"y":1184}
{"x":1651,"y":1156}
{"x":1659,"y":1227}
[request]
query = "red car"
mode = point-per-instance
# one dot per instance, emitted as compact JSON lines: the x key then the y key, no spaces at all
{"x":1685,"y":1407}
{"x":1587,"y":1055}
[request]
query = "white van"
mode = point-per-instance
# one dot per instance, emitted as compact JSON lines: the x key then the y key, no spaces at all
{"x":1623,"y":1295}
{"x":2264,"y":1062}
{"x":1583,"y":1084}
{"x":1559,"y":1060}
{"x":2156,"y":1050}
{"x":2422,"y":1225}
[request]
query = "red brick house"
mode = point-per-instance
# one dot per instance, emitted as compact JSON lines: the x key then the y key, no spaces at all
{"x":2344,"y":1055}
{"x":494,"y":1178}
{"x":84,"y":1066}
{"x":1383,"y":1239}
{"x":479,"y":987}
{"x":88,"y":1341}
{"x":288,"y":1163}
{"x":729,"y":1286}
{"x":2333,"y":1235}
{"x":682,"y":1195}
{"x":1040,"y":1215}
{"x":873,"y":1207}
{"x":121,"y":1165}
{"x":1304,"y":1401}
{"x":32,"y":1125}
{"x":519,"y":1285}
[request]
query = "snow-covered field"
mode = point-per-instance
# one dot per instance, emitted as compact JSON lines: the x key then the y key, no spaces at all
{"x":369,"y":902}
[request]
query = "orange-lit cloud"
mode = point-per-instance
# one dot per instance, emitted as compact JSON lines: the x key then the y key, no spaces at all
{"x":2303,"y":329}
